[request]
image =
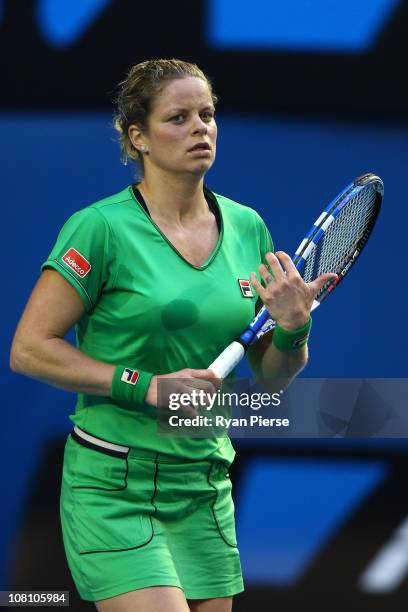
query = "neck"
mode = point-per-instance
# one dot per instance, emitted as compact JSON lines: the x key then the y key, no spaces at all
{"x":174,"y":198}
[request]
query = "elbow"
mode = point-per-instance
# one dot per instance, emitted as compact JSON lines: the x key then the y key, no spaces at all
{"x":16,"y":360}
{"x":19,"y":358}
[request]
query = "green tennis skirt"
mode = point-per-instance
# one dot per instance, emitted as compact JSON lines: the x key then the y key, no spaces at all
{"x":133,"y":519}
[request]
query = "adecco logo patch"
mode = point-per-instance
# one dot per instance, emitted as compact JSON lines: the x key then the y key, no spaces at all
{"x":77,"y":262}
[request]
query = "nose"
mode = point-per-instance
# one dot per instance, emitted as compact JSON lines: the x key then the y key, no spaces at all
{"x":199,"y":126}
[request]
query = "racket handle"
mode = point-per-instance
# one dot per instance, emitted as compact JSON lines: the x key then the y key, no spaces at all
{"x":314,"y":305}
{"x":232,"y":355}
{"x":227,"y":360}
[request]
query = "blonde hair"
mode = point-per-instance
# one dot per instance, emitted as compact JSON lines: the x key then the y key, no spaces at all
{"x":137,"y":92}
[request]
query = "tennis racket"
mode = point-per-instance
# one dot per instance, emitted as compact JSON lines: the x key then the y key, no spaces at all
{"x":333,"y":244}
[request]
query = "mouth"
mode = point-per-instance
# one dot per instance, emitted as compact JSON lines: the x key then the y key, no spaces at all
{"x":201,"y":146}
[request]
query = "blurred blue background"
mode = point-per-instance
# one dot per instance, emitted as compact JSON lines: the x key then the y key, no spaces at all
{"x":295,"y":125}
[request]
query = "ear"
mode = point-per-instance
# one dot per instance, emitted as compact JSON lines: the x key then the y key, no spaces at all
{"x":137,"y":139}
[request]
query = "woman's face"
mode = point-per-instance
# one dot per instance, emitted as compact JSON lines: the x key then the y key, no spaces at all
{"x":181,"y":135}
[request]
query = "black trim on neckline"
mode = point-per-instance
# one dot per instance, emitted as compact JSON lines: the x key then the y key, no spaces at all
{"x":211,"y":205}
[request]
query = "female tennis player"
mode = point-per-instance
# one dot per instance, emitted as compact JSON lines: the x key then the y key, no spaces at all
{"x":146,"y":276}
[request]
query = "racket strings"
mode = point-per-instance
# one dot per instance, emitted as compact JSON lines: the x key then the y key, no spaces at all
{"x":351,"y":226}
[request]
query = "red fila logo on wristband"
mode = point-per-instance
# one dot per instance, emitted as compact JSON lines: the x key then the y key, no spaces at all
{"x":245,"y":288}
{"x":129,"y":376}
{"x":77,"y":262}
{"x":300,"y":341}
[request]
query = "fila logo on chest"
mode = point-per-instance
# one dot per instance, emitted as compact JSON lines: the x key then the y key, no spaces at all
{"x":245,"y":287}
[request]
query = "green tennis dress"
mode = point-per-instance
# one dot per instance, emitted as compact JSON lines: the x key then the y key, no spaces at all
{"x":141,"y":509}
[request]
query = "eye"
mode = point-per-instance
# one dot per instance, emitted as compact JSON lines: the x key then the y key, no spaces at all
{"x":177,"y":118}
{"x":208,"y":115}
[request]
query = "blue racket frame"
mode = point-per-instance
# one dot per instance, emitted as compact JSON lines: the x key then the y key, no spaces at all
{"x":263,"y":323}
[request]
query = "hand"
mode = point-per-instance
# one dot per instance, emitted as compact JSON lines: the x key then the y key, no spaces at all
{"x":183,"y":381}
{"x":286,"y":295}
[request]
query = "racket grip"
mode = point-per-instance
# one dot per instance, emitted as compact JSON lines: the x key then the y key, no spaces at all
{"x":314,"y":305}
{"x":227,"y":360}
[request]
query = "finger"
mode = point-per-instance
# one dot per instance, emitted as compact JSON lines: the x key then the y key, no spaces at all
{"x":320,"y":282}
{"x":287,"y":263}
{"x":206,"y":375}
{"x":274,"y":264}
{"x":257,"y":285}
{"x":216,"y":381}
{"x":201,"y":385}
{"x":190,"y":398}
{"x":265,"y":274}
{"x":203,"y":374}
{"x":198,"y":399}
{"x":189,"y":411}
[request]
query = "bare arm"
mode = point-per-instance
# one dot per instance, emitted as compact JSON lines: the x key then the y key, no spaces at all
{"x":268,"y":362}
{"x":39,"y":349}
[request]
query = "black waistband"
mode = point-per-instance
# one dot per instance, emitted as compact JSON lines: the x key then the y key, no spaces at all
{"x":102,"y":446}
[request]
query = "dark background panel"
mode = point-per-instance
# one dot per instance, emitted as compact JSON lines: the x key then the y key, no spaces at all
{"x":41,"y":73}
